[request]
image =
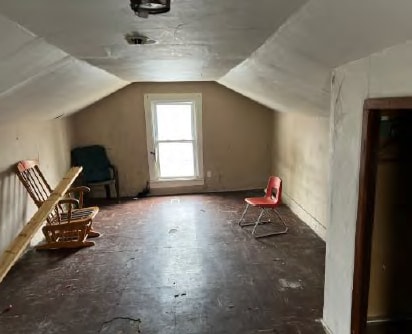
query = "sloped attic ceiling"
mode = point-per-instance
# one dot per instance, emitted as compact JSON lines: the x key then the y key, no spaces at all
{"x":280,"y":53}
{"x":291,"y":70}
{"x":39,"y":81}
{"x":196,"y":40}
{"x":71,"y":53}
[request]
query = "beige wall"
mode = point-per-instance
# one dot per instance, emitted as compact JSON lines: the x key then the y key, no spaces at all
{"x":236,"y":135}
{"x":47,"y":142}
{"x":301,"y":159}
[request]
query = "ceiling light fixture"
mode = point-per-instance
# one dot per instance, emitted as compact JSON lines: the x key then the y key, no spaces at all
{"x":143,"y":8}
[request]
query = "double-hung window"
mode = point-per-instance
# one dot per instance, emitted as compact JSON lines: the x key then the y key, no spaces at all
{"x":174,"y":139}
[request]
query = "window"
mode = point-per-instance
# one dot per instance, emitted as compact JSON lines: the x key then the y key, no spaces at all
{"x":174,"y":139}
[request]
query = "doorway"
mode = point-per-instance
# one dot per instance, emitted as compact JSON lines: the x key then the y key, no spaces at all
{"x":174,"y":139}
{"x":381,"y":285}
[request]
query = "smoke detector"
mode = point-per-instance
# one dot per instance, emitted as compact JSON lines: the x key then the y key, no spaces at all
{"x":136,"y":38}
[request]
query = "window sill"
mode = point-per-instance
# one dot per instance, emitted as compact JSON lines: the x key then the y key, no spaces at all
{"x":176,"y":183}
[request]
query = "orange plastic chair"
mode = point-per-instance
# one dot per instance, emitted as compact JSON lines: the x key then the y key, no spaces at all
{"x":271,"y":200}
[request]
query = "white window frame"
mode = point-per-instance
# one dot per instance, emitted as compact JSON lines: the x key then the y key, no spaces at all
{"x":150,"y":101}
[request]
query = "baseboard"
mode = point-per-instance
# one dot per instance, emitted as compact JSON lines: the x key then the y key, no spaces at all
{"x":307,"y":218}
{"x":194,"y":190}
{"x":399,"y":325}
{"x":380,"y":320}
{"x":325,"y":327}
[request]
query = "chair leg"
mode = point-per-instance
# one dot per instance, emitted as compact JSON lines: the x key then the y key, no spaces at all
{"x":243,"y":216}
{"x":284,"y":231}
{"x":107,"y":188}
{"x":257,"y":222}
{"x":243,"y":223}
{"x":117,"y":190}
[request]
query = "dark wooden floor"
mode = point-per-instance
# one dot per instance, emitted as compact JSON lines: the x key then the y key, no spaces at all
{"x":169,"y":265}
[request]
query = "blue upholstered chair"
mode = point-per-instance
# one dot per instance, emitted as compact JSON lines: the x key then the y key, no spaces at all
{"x":97,"y":169}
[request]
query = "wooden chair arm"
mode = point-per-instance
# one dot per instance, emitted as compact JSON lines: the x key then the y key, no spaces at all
{"x":83,"y":189}
{"x":80,"y":190}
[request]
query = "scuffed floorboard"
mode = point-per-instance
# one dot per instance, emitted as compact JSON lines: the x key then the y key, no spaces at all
{"x":172,"y":265}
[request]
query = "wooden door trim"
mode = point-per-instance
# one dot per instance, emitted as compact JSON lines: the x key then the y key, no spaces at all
{"x":372,"y":112}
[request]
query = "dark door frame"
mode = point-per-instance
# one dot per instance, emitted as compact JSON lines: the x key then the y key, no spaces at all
{"x":373,"y":109}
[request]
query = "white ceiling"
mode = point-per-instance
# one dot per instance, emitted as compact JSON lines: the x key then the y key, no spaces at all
{"x":39,"y":81}
{"x":58,"y":56}
{"x":291,"y":70}
{"x":196,"y":40}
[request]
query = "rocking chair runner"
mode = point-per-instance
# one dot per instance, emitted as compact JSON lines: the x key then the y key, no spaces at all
{"x":64,"y":228}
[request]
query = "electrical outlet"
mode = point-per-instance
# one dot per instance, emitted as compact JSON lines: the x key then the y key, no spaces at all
{"x":209,"y":173}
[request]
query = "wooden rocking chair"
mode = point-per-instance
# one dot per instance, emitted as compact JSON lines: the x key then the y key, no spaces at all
{"x":69,"y":224}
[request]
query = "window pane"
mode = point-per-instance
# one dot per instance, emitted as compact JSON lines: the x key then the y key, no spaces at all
{"x":174,"y":121}
{"x":176,"y":160}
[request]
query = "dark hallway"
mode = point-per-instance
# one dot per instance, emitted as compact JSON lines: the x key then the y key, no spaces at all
{"x":177,"y":264}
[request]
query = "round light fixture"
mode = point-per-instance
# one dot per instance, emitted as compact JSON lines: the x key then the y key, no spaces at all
{"x":143,"y":8}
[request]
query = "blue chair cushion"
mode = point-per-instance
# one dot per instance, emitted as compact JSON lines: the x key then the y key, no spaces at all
{"x":93,"y":159}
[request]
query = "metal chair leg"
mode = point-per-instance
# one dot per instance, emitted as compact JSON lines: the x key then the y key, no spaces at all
{"x":284,"y":231}
{"x":243,"y":216}
{"x":242,"y":223}
{"x":257,"y":222}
